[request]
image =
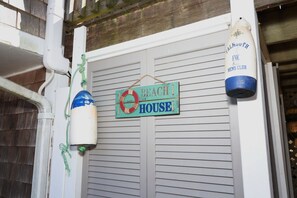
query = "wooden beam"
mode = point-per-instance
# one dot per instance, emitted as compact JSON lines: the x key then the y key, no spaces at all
{"x":284,"y":52}
{"x":289,"y":83}
{"x":266,"y":4}
{"x":287,"y":68}
{"x":289,"y":74}
{"x":263,"y":46}
{"x":280,"y":24}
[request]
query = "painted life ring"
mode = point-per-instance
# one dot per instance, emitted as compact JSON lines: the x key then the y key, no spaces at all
{"x":136,"y":101}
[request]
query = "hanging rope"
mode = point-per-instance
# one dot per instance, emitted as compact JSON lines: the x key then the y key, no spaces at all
{"x":65,"y":148}
{"x":146,"y":75}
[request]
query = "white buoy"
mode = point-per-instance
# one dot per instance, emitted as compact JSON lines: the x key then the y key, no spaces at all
{"x":83,"y":131}
{"x":240,"y":62}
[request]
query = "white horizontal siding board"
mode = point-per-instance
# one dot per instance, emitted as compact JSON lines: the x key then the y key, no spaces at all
{"x":100,"y":94}
{"x":202,"y":113}
{"x":121,"y":131}
{"x":185,"y":141}
{"x":194,"y":127}
{"x":112,"y":73}
{"x":186,"y":65}
{"x":116,"y":81}
{"x":195,"y":186}
{"x":190,"y":55}
{"x":134,"y":166}
{"x":193,"y":80}
{"x":118,"y":123}
{"x":195,"y":120}
{"x":195,"y":171}
{"x":109,"y":182}
{"x":114,"y":65}
{"x":195,"y":178}
{"x":193,"y":156}
{"x":114,"y":159}
{"x":118,"y":134}
{"x":106,"y":118}
{"x":103,"y":193}
{"x":116,"y":153}
{"x":200,"y":76}
{"x":106,"y":101}
{"x":120,"y":190}
{"x":188,"y":163}
{"x":189,"y":74}
{"x":110,"y":119}
{"x":98,"y":193}
{"x":199,"y":100}
{"x":101,"y":85}
{"x":120,"y":171}
{"x":207,"y":85}
{"x":119,"y":147}
{"x":119,"y":141}
{"x":104,"y":93}
{"x":192,"y":149}
{"x":101,"y":76}
{"x":102,"y":109}
{"x":203,"y":92}
{"x":166,"y":195}
{"x":195,"y":134}
{"x":208,"y":105}
{"x":194,"y":193}
{"x":115,"y":177}
{"x":95,"y":196}
{"x":107,"y":113}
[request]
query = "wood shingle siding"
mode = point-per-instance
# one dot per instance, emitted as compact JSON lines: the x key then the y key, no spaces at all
{"x":26,"y":15}
{"x":18,"y":123}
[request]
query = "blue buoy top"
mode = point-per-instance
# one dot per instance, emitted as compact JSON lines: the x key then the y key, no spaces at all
{"x":82,"y":98}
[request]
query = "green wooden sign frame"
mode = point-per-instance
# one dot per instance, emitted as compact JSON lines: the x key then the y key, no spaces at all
{"x":153,"y":100}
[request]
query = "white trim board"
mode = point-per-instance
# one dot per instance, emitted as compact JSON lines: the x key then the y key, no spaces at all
{"x":203,"y":27}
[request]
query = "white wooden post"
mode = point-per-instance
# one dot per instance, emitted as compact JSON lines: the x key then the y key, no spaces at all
{"x":74,"y":181}
{"x":257,"y":182}
{"x":57,"y":171}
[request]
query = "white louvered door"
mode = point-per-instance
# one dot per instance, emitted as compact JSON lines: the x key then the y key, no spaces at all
{"x":180,"y":156}
{"x":192,"y":150}
{"x":114,"y":167}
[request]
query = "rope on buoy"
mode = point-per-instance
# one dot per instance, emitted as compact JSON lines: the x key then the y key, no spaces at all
{"x":65,"y":148}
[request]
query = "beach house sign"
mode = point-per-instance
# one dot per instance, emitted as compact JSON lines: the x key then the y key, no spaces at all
{"x":153,"y":100}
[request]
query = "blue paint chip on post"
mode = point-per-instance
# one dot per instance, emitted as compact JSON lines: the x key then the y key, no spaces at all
{"x":153,"y":100}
